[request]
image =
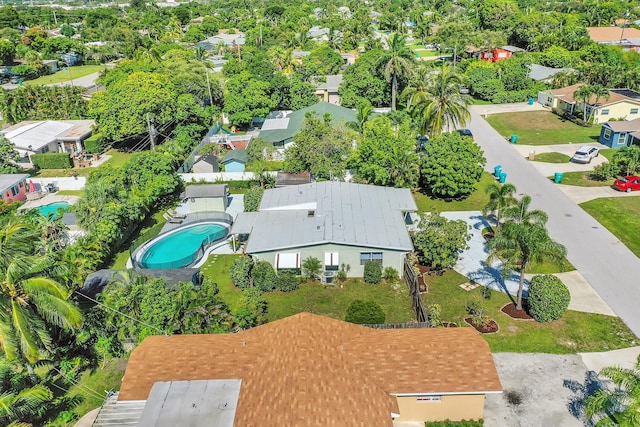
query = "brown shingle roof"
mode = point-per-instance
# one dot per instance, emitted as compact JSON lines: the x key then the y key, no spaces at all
{"x":312,"y":370}
{"x":612,"y":34}
{"x":567,"y":95}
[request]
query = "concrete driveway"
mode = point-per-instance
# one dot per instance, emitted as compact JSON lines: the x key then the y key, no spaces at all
{"x":516,"y":107}
{"x":548,"y":169}
{"x":604,"y":261}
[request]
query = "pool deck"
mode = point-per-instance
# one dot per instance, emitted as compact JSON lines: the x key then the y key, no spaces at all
{"x":236,"y":205}
{"x":47,"y":200}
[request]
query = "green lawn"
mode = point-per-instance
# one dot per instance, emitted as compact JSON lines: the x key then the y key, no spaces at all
{"x":549,"y":267}
{"x":582,"y":179}
{"x":118,"y":158}
{"x":150,"y":228}
{"x":552,"y":158}
{"x":475,"y":202}
{"x":422,"y":53}
{"x":542,"y":128}
{"x":98,"y":381}
{"x":312,"y":296}
{"x":78,"y":193}
{"x":70,"y":74}
{"x":621,"y":216}
{"x":608,"y":153}
{"x":575,"y":332}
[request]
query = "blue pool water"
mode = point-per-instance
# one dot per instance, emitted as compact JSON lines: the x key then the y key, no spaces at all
{"x":182,"y":247}
{"x":52,"y":208}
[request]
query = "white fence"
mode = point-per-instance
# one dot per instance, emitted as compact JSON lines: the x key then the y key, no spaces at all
{"x":63,"y":183}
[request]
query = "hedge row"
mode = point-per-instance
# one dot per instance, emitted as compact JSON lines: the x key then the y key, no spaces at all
{"x":93,"y":144}
{"x":51,"y":160}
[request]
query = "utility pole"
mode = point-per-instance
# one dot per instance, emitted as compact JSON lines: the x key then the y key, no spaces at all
{"x":151,"y":134}
{"x":209,"y":86}
{"x":55,"y":18}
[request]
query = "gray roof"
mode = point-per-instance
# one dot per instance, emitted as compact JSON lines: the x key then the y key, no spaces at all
{"x":195,"y":403}
{"x":540,"y":72}
{"x":285,"y":129}
{"x":331,"y":83}
{"x":8,"y":180}
{"x":331,"y":212}
{"x":205,"y":190}
{"x":624,"y":125}
{"x":512,"y":48}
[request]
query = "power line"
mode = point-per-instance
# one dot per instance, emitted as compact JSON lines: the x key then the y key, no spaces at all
{"x":83,"y":387}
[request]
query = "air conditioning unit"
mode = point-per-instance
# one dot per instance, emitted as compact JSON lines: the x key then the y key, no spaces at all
{"x":327,"y":276}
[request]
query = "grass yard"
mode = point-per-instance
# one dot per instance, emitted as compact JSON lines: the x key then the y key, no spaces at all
{"x":542,"y":128}
{"x":583,"y":179}
{"x":621,"y":216}
{"x":475,"y":202}
{"x":422,"y":53}
{"x":575,"y":332}
{"x":66,"y":75}
{"x":608,"y":153}
{"x":98,"y":381}
{"x":549,"y":267}
{"x":150,"y":228}
{"x":118,"y":158}
{"x":552,"y":158}
{"x":312,"y":296}
{"x":78,"y":193}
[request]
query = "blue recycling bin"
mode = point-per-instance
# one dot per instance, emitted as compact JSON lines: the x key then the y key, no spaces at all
{"x":497,"y":170}
{"x":530,"y":102}
{"x":557,"y":177}
{"x":503,"y":177}
{"x":514,"y":138}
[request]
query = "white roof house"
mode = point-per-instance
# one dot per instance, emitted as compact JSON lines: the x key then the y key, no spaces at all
{"x":31,"y":137}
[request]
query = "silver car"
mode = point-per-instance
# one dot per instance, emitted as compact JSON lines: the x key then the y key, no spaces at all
{"x":585,"y":154}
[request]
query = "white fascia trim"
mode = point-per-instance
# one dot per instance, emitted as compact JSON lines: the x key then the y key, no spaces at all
{"x":446,"y":393}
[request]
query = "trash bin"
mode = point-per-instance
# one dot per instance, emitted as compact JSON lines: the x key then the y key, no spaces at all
{"x":514,"y":138}
{"x":497,"y":170}
{"x":530,"y":102}
{"x":557,"y":178}
{"x":503,"y":177}
{"x":532,"y":155}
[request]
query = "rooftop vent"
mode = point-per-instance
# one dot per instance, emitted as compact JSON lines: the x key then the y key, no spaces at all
{"x":311,"y":214}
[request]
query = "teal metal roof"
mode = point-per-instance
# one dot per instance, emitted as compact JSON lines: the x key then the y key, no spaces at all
{"x":296,"y":120}
{"x":239,"y":155}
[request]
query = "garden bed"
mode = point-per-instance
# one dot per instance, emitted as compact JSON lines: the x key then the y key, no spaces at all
{"x":490,"y":327}
{"x":511,"y":311}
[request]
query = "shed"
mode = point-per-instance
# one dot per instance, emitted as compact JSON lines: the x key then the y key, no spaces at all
{"x":206,"y":198}
{"x":235,"y":160}
{"x":206,"y":164}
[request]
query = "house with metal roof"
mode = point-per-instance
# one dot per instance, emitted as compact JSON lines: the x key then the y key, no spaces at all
{"x":13,"y":187}
{"x":49,"y":136}
{"x":338,"y":223}
{"x":540,"y":73}
{"x":222,"y":38}
{"x":306,"y":370}
{"x":281,"y":128}
{"x":621,"y":133}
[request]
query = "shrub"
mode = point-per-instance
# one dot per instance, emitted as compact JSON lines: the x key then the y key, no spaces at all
{"x":51,"y":160}
{"x":604,"y":171}
{"x":365,"y":312}
{"x":311,"y":267}
{"x":287,"y":281}
{"x":26,"y":71}
{"x":93,"y":144}
{"x":240,"y":272}
{"x":252,"y":199}
{"x":264,"y":276}
{"x":390,"y":274}
{"x":373,"y":272}
{"x":548,"y":298}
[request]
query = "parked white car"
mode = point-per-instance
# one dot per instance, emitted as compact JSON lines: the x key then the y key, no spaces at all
{"x":585,"y":154}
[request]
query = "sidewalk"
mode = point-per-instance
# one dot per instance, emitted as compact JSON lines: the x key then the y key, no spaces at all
{"x":625,"y":358}
{"x":472,"y":264}
{"x":489,"y":109}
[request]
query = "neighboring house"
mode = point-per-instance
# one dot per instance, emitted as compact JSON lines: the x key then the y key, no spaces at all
{"x":13,"y":187}
{"x":621,"y":133}
{"x":622,"y":104}
{"x":316,"y":33}
{"x":349,"y":58}
{"x":206,"y":164}
{"x":218,"y":62}
{"x":513,"y":49}
{"x":228,"y":40}
{"x":52,"y":64}
{"x":206,"y":198}
{"x":308,"y":370}
{"x":235,"y":160}
{"x":494,"y":55}
{"x":50,"y":136}
{"x":327,"y":91}
{"x":335,"y":222}
{"x":628,"y":38}
{"x":540,"y":73}
{"x":281,"y":129}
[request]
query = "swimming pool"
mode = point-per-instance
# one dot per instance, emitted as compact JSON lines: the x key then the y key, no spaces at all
{"x":52,"y":208}
{"x":182,"y":247}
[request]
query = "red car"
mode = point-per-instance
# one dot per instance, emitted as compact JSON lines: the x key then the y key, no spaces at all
{"x":628,"y":183}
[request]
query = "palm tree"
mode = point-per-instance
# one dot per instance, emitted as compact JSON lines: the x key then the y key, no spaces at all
{"x":442,"y":105}
{"x":14,"y":406}
{"x":30,"y":302}
{"x":397,"y":62}
{"x":520,"y":213}
{"x":500,"y":197}
{"x":311,"y":267}
{"x":283,"y":59}
{"x":619,"y":405}
{"x":600,"y":92}
{"x":584,"y":94}
{"x":363,"y":113}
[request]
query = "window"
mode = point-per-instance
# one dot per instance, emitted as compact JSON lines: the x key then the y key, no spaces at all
{"x":331,"y":261}
{"x":429,"y":399}
{"x":370,"y":256}
{"x":604,"y":112}
{"x":634,"y":111}
{"x":607,"y":133}
{"x":15,"y":190}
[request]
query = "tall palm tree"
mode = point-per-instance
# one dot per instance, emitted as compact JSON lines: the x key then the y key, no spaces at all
{"x":520,"y":213}
{"x":29,"y":300}
{"x":584,"y":94}
{"x":283,"y":59}
{"x":619,"y":405}
{"x":442,"y":105}
{"x":518,"y":244}
{"x":397,"y":62}
{"x":500,"y":197}
{"x":363,"y":113}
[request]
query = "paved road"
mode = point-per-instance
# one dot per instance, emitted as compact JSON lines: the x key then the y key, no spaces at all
{"x":609,"y":267}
